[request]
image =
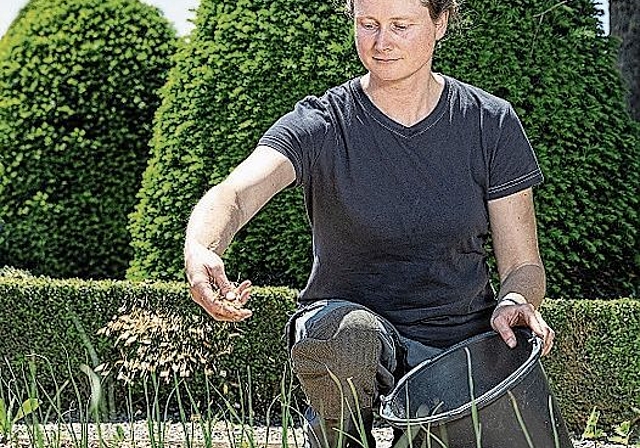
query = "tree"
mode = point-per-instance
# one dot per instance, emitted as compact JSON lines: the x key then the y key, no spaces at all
{"x":625,"y":24}
{"x":78,"y":90}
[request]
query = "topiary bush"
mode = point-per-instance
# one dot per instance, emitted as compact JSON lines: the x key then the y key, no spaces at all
{"x":78,"y":90}
{"x":246,"y":63}
{"x":249,"y":62}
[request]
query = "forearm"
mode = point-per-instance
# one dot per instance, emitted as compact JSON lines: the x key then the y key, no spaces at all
{"x":528,"y":280}
{"x":215,"y":219}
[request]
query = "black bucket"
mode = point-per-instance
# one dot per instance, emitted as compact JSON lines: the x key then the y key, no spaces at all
{"x":482,"y":389}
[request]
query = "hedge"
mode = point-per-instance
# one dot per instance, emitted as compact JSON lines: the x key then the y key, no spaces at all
{"x":595,"y":361}
{"x":249,"y":62}
{"x":78,"y":90}
{"x":64,"y":321}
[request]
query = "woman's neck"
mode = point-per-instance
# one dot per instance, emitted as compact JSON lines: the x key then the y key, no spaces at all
{"x":405,"y":102}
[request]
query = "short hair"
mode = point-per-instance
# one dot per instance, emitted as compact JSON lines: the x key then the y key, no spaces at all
{"x":436,"y":8}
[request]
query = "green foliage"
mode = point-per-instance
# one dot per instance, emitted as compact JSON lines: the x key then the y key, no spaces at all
{"x":591,"y":430}
{"x":595,"y":361}
{"x":249,"y":62}
{"x":622,"y":433}
{"x":246,"y":64}
{"x":78,"y":90}
{"x":40,"y":317}
{"x":129,"y":331}
{"x":9,"y":416}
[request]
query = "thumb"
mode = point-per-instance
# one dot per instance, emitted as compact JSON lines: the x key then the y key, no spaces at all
{"x":219,"y":279}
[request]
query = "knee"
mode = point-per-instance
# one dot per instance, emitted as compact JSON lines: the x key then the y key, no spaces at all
{"x":342,"y":323}
{"x":349,"y":342}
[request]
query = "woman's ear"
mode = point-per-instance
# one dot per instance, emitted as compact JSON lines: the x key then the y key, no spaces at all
{"x":441,"y":25}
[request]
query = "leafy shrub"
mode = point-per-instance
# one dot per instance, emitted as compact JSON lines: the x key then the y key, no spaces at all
{"x":595,"y":361}
{"x":11,"y":272}
{"x":134,"y":330}
{"x":250,"y":61}
{"x":55,"y":321}
{"x":78,"y":89}
{"x":245,"y":65}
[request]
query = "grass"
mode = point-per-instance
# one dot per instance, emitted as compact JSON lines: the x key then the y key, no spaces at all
{"x":174,"y":415}
{"x":32,"y":416}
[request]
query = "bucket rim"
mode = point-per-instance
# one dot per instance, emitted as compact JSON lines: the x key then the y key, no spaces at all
{"x":480,"y":402}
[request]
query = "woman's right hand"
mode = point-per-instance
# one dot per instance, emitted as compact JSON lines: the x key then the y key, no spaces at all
{"x":210,"y":287}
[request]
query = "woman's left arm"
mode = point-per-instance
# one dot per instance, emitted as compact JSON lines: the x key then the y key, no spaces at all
{"x":522,"y":277}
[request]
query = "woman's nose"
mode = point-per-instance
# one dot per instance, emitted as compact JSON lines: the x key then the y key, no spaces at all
{"x":384,"y":40}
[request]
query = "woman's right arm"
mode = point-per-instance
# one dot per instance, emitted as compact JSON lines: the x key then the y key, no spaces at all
{"x":218,"y":216}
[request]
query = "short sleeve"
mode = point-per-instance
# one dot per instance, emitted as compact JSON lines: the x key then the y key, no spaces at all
{"x":513,"y":165}
{"x":300,"y":135}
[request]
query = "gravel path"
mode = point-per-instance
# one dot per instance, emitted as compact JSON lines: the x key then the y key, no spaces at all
{"x":139,"y":435}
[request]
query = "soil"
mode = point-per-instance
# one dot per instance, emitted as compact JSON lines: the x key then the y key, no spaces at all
{"x":173,"y":435}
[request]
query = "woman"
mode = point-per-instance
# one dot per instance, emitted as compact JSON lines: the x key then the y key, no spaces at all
{"x":404,"y":172}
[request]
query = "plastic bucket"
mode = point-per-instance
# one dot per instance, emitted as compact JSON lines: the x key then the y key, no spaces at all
{"x":482,"y":389}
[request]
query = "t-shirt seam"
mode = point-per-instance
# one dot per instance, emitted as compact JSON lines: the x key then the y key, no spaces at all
{"x":514,"y":182}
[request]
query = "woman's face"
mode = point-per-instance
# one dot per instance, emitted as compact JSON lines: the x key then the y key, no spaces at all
{"x":395,"y":39}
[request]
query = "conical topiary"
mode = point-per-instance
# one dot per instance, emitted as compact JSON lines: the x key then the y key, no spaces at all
{"x":79,"y":84}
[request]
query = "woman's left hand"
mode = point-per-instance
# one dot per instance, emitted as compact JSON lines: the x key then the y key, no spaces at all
{"x":508,"y":315}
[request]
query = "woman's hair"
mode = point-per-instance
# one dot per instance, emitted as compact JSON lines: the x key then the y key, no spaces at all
{"x":436,"y":8}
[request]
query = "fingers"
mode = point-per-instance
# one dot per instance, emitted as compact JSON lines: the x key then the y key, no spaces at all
{"x":212,"y":290}
{"x":537,"y":324}
{"x":224,"y":308}
{"x":548,"y":335}
{"x":244,"y":291}
{"x":506,"y":317}
{"x":501,"y":324}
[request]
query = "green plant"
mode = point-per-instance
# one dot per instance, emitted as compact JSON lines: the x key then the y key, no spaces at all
{"x":78,"y":90}
{"x":521,"y":422}
{"x":477,"y":427}
{"x":622,"y":432}
{"x":9,"y":416}
{"x":592,"y":337}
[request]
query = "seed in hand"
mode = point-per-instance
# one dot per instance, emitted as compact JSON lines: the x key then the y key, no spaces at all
{"x":231,"y":298}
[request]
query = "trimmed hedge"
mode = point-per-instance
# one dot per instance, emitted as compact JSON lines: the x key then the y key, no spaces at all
{"x":50,"y":318}
{"x":595,"y":361}
{"x":78,"y":90}
{"x":249,"y":61}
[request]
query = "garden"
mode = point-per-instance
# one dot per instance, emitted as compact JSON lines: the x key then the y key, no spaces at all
{"x":111,"y":128}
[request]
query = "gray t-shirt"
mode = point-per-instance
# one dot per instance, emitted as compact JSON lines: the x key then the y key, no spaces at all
{"x":399,"y":214}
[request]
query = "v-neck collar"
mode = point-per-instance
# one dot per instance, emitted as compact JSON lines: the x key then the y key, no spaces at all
{"x":391,"y":124}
